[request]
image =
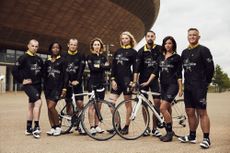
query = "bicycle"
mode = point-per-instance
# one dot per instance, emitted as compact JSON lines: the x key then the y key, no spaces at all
{"x":140,"y":105}
{"x":77,"y":117}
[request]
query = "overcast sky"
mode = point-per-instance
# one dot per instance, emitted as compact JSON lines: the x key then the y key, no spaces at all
{"x":211,"y":17}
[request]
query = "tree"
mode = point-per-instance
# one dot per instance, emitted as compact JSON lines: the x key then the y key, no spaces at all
{"x":221,"y":79}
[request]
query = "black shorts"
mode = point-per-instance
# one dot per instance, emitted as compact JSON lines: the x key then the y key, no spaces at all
{"x":195,"y":96}
{"x":33,"y":92}
{"x":169,"y":92}
{"x":77,"y":90}
{"x":154,"y":87}
{"x":52,"y":94}
{"x":122,"y":88}
{"x":99,"y":95}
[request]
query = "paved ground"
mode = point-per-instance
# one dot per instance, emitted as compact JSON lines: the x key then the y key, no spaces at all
{"x":12,"y":139}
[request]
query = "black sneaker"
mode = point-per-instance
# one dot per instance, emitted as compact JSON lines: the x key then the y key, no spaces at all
{"x":36,"y":132}
{"x":147,"y":132}
{"x":28,"y":132}
{"x":186,"y":139}
{"x":168,"y":137}
{"x":111,"y":131}
{"x":125,"y":130}
{"x":205,"y":144}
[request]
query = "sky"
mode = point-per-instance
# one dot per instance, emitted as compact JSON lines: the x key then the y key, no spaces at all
{"x":211,"y":17}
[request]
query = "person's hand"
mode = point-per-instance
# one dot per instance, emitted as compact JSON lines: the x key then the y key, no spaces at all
{"x":180,"y":93}
{"x":114,"y":85}
{"x":97,"y":65}
{"x":63,"y":93}
{"x":26,"y":81}
{"x":144,"y":84}
{"x":74,"y":83}
{"x":132,"y":84}
{"x":106,"y":64}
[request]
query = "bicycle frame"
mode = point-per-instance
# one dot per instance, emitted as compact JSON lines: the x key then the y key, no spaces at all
{"x":141,"y":98}
{"x":92,"y":98}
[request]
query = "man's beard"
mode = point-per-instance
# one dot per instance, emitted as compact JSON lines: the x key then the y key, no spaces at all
{"x":150,"y":43}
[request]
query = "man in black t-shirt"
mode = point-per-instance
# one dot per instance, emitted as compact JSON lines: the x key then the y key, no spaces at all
{"x":146,"y":63}
{"x":198,"y":72}
{"x":28,"y":71}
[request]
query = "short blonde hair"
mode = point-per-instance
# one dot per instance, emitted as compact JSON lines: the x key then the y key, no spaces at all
{"x":100,"y":41}
{"x":132,"y":39}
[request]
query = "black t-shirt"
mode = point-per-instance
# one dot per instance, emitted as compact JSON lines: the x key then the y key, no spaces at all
{"x":170,"y":69}
{"x":28,"y":67}
{"x":55,"y":74}
{"x":97,"y":67}
{"x":198,"y":65}
{"x":147,"y":61}
{"x":123,"y":60}
{"x":75,"y":66}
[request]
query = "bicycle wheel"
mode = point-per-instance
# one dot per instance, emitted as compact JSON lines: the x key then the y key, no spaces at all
{"x":137,"y":125}
{"x":105,"y":123}
{"x":65,"y":112}
{"x":179,"y":118}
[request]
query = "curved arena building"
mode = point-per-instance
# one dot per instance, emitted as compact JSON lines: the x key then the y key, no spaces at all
{"x":50,"y":20}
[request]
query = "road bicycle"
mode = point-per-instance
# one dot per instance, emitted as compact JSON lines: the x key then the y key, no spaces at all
{"x":140,"y":107}
{"x":70,"y":116}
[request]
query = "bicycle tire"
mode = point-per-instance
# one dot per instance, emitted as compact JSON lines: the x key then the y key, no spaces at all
{"x":179,"y":118}
{"x":65,"y":118}
{"x":105,"y":124}
{"x":137,"y":126}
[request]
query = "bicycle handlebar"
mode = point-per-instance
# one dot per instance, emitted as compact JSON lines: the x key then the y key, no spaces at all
{"x":138,"y":88}
{"x":151,"y":93}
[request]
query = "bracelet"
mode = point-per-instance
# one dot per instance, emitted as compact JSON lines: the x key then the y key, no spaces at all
{"x":112,"y":78}
{"x":64,"y":89}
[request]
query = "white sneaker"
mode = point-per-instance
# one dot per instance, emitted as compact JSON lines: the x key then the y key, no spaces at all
{"x":93,"y":131}
{"x":99,"y":130}
{"x":186,"y":139}
{"x":57,"y":131}
{"x":36,"y":132}
{"x":50,"y":132}
{"x":156,"y":133}
{"x":205,"y":144}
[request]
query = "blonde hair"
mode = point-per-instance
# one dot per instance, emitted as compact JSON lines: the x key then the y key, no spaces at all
{"x":132,"y":39}
{"x":100,"y":41}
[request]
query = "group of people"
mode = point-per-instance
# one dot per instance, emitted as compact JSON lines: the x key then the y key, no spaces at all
{"x":154,"y":67}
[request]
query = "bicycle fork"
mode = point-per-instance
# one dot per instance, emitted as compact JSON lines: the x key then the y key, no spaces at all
{"x":135,"y":109}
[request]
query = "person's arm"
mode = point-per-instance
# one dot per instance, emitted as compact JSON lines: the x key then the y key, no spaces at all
{"x":17,"y":71}
{"x":135,"y":67}
{"x":209,"y":64}
{"x":65,"y":78}
{"x":113,"y":69}
{"x":45,"y":73}
{"x":81,"y":68}
{"x":179,"y":75}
